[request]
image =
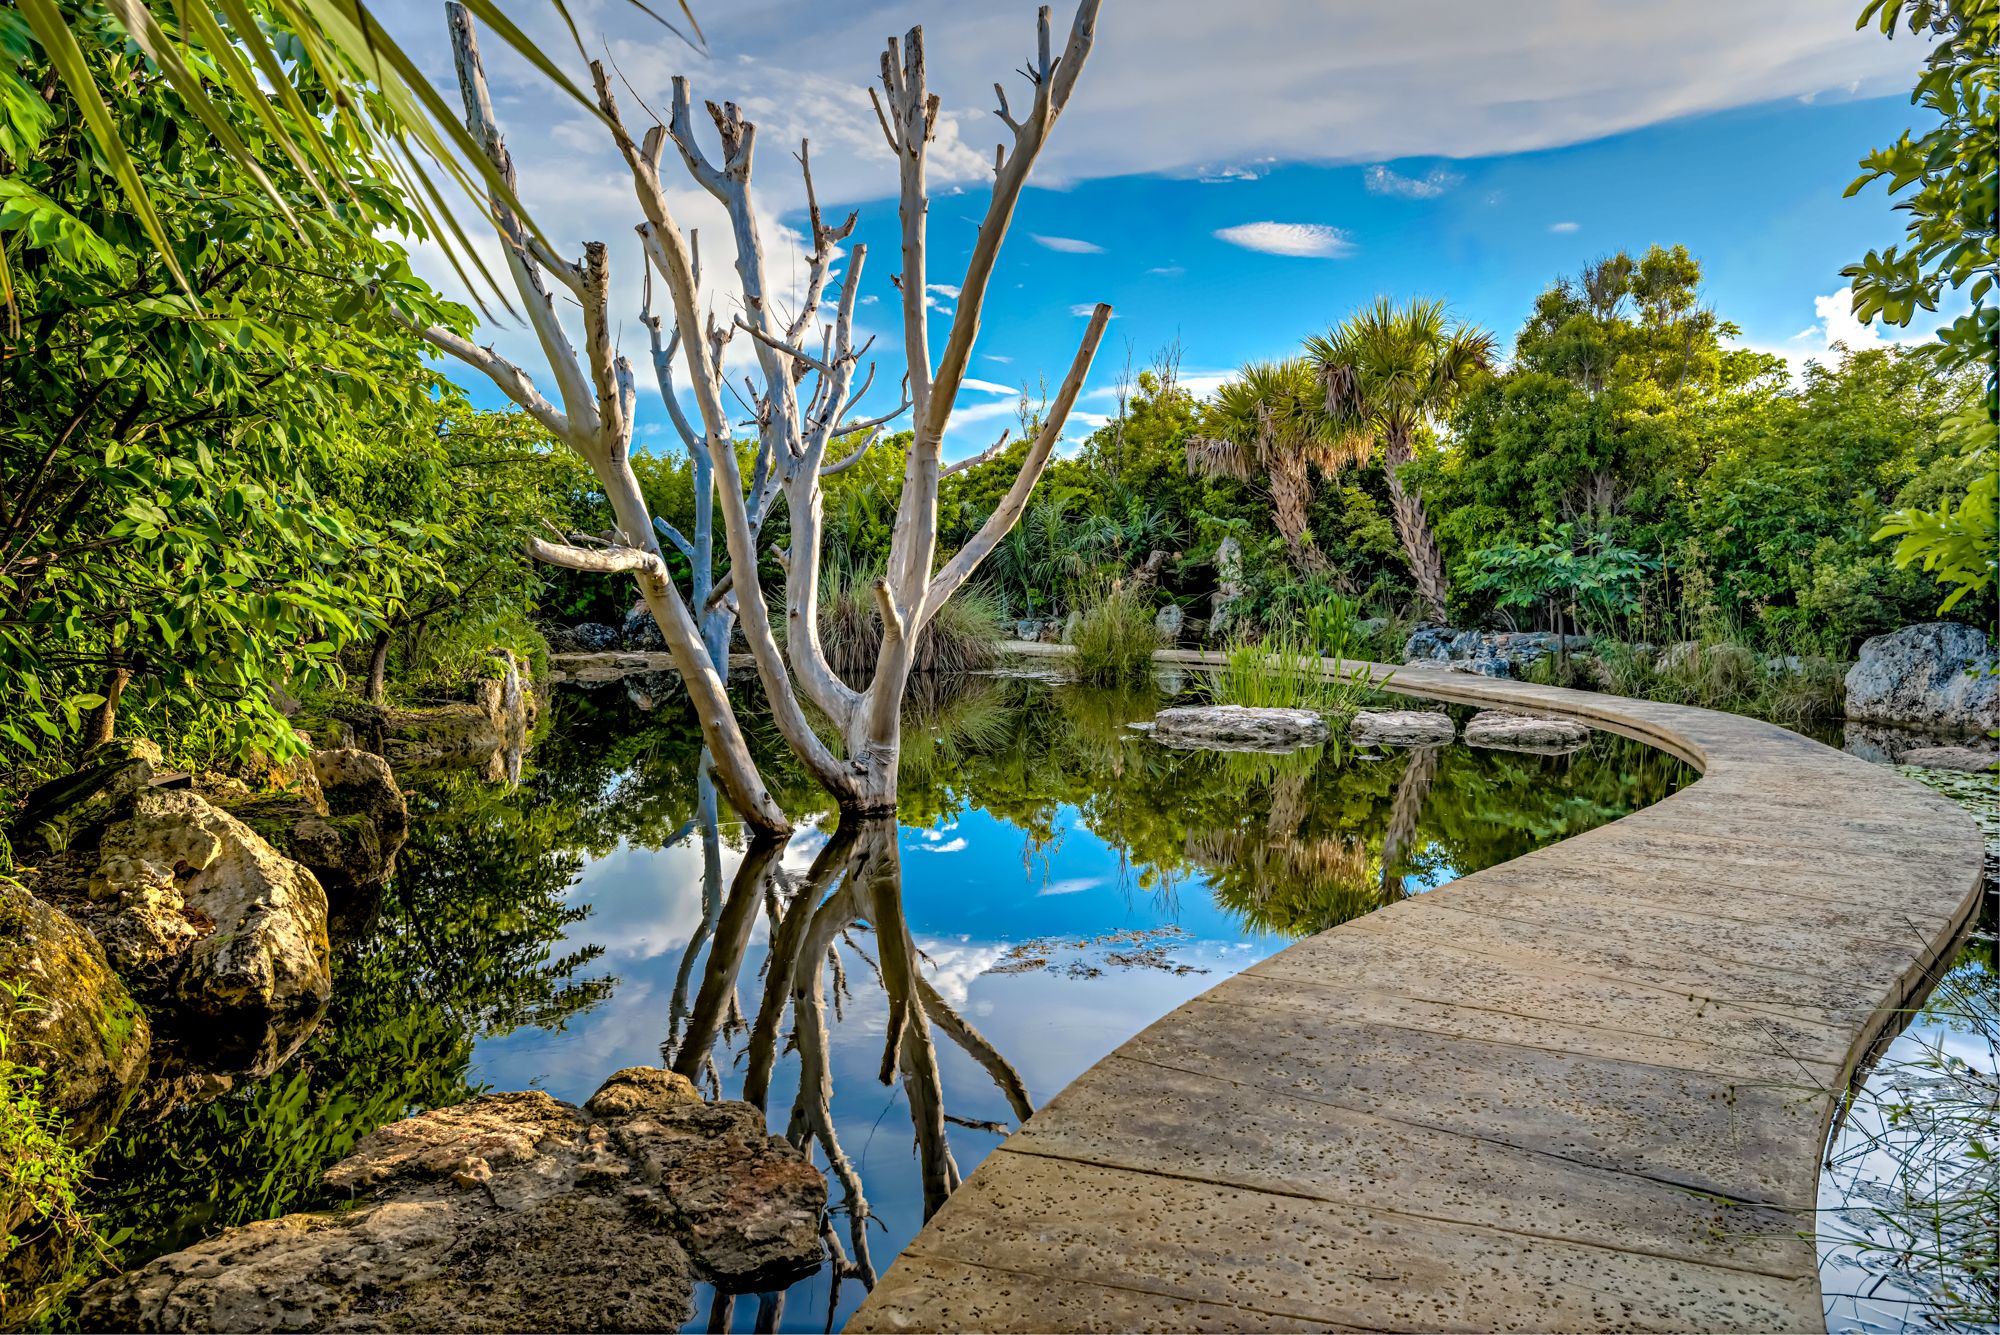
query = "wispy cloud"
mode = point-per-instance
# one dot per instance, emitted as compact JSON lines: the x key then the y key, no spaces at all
{"x":1167,"y":271}
{"x":1305,"y":240}
{"x":1226,"y":175}
{"x":948,"y":846}
{"x":996,"y":357}
{"x":1070,"y":885}
{"x":1068,"y":245}
{"x":1382,"y":181}
{"x":986,"y":386}
{"x":1085,"y":308}
{"x":1563,"y":228}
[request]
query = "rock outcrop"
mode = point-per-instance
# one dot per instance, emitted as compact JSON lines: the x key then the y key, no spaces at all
{"x":1167,"y":624}
{"x":1237,"y":728}
{"x":346,"y":827}
{"x":197,"y":912}
{"x":1401,"y":727}
{"x":75,"y":1019}
{"x":1939,"y":677}
{"x":1503,"y":730}
{"x":511,"y":1212}
{"x":1228,"y":588}
{"x":594,"y":637}
{"x":1485,"y":652}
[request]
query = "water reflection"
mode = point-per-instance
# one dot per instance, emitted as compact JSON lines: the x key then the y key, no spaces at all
{"x":893,"y":994}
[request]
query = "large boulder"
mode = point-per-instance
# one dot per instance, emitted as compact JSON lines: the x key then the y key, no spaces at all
{"x":1237,"y":728}
{"x":1970,"y":759}
{"x":1401,"y":727}
{"x":346,"y":830}
{"x":1502,"y":730}
{"x":511,"y":1212}
{"x":197,"y":912}
{"x":1167,"y":624}
{"x":642,"y":631}
{"x":74,"y":1019}
{"x":69,"y":811}
{"x":1228,"y":588}
{"x":1939,"y":677}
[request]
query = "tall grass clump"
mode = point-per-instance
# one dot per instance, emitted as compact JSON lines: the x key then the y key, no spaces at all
{"x":964,"y":637}
{"x":1114,"y":639}
{"x":1285,"y":670}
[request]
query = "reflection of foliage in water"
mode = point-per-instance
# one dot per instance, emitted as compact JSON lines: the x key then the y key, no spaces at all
{"x":461,"y":946}
{"x":1292,"y":843}
{"x":1915,"y":1159}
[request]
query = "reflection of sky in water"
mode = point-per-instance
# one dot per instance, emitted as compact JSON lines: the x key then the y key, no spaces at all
{"x":972,"y":888}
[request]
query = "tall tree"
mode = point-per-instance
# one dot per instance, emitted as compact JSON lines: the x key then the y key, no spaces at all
{"x":1388,"y":373}
{"x":807,"y":368}
{"x":1270,"y":425}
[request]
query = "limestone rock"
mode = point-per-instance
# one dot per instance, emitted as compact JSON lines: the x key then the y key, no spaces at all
{"x":1167,"y":624}
{"x":594,"y":637}
{"x":1228,"y":587}
{"x":640,"y":632}
{"x":347,"y":833}
{"x":561,"y":639}
{"x":66,"y":811}
{"x":1971,"y":759}
{"x":1400,"y":727}
{"x":1505,"y":731}
{"x":76,"y":1020}
{"x":1938,"y":676}
{"x":196,"y":910}
{"x":1486,"y":653}
{"x":511,"y":1212}
{"x":1237,"y":728}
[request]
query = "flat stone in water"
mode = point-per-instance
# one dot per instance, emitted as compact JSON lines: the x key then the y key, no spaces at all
{"x":1503,"y":730}
{"x":1237,"y":728}
{"x":1401,"y":727}
{"x":1968,"y":758}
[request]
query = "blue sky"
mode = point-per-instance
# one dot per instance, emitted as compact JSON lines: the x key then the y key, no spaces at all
{"x":1427,"y":148}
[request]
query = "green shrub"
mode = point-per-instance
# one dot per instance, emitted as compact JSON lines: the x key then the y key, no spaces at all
{"x":54,"y":1248}
{"x":1115,"y":639}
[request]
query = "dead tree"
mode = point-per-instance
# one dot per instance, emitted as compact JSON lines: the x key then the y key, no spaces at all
{"x":597,"y":392}
{"x":808,"y":391}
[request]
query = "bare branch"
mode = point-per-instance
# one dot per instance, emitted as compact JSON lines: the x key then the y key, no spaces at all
{"x":511,"y":379}
{"x":606,"y":561}
{"x":961,"y":566}
{"x":673,"y":535}
{"x":770,"y":341}
{"x":987,"y":455}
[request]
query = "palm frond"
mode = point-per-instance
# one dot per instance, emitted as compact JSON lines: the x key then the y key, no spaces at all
{"x":381,"y":96}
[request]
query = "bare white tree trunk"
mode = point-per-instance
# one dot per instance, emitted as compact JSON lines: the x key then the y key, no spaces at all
{"x":804,"y":409}
{"x":595,"y":420}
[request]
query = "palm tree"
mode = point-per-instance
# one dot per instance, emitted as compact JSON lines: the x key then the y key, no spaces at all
{"x":263,"y":54}
{"x":1388,"y":372}
{"x":1270,"y":423}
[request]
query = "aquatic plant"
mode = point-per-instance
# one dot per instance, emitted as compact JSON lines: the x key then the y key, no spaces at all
{"x":1285,"y":671}
{"x":1114,"y":639}
{"x":963,"y":637}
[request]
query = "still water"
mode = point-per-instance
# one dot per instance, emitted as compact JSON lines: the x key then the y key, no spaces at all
{"x":1054,"y":882}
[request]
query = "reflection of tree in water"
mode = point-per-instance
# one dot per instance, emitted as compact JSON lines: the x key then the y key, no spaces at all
{"x":854,"y":885}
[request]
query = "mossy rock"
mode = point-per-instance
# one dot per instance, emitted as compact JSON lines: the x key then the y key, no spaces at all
{"x":75,"y":1019}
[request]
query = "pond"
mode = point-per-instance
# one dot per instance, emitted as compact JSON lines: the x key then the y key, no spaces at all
{"x":1909,"y":1225}
{"x":1053,"y":883}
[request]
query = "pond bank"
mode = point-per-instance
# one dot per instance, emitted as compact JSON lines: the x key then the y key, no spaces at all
{"x":1588,"y":1088}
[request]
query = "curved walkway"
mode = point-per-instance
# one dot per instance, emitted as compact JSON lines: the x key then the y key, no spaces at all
{"x":1588,"y":1089}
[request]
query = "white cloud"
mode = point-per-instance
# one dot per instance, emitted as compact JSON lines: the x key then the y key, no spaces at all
{"x":1166,"y":271}
{"x":1382,"y":181}
{"x":948,"y":846}
{"x":996,"y":357}
{"x":1227,"y":175}
{"x":1070,"y":885}
{"x":1563,"y":228}
{"x":1068,"y":245}
{"x":943,"y":289}
{"x":1834,"y":333}
{"x":1305,"y":240}
{"x":1084,"y":309}
{"x":987,"y":386}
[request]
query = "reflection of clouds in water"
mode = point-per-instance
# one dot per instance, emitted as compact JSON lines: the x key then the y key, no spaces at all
{"x":952,"y":965}
{"x":622,"y":1030}
{"x":1070,"y":885}
{"x":643,"y":902}
{"x":948,"y":846}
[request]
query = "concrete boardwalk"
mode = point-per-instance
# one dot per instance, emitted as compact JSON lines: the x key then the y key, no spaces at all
{"x":1585,"y":1090}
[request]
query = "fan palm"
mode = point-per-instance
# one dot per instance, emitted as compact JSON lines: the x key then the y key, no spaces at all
{"x":1388,"y":372}
{"x":245,"y":46}
{"x":1270,"y":423}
